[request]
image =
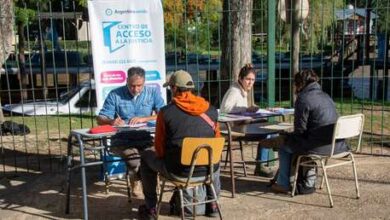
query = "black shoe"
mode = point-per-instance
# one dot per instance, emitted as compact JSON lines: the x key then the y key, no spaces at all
{"x":276,"y":188}
{"x":211,"y":209}
{"x":147,"y":214}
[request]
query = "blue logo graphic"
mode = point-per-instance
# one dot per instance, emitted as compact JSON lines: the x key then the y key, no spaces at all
{"x":107,"y":26}
{"x":152,"y":75}
{"x":117,"y":34}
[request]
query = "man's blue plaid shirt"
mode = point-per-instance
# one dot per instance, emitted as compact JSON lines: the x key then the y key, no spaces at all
{"x":121,"y":101}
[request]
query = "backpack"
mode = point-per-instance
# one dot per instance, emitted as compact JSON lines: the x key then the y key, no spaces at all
{"x":14,"y":128}
{"x":306,"y":180}
{"x":188,"y":197}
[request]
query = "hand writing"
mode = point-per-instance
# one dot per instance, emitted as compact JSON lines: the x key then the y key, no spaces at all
{"x":118,"y":121}
{"x":136,"y":120}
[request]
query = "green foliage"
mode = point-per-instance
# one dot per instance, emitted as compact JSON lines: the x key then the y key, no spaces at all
{"x":315,"y":27}
{"x":382,"y":9}
{"x":75,"y":45}
{"x":82,"y":2}
{"x":24,"y":15}
{"x":191,"y":25}
{"x":319,"y":21}
{"x":259,"y":17}
{"x":26,"y":10}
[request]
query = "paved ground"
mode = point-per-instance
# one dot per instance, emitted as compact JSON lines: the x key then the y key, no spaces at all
{"x":41,"y":196}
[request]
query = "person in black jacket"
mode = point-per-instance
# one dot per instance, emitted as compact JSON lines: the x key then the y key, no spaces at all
{"x":188,"y":115}
{"x":314,"y":119}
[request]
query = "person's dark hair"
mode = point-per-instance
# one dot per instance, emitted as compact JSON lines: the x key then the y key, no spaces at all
{"x":245,"y":70}
{"x":304,"y":78}
{"x":135,"y":71}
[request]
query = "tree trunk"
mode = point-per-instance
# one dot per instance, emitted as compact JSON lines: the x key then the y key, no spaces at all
{"x":386,"y":67}
{"x":226,"y":43}
{"x":6,"y":34}
{"x":6,"y":29}
{"x":246,"y":41}
{"x":236,"y":37}
{"x":367,"y":48}
{"x":43,"y":62}
{"x":22,"y":63}
{"x":246,"y":33}
{"x":295,"y":44}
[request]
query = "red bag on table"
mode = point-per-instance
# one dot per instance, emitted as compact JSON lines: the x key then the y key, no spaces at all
{"x":102,"y":129}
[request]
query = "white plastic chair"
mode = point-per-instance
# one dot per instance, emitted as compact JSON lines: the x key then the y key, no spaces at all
{"x":346,"y":127}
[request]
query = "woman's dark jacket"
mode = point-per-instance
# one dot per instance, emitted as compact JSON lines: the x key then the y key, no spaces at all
{"x":314,"y":119}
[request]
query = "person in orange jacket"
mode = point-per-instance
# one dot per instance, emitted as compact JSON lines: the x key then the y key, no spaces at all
{"x":187,"y":115}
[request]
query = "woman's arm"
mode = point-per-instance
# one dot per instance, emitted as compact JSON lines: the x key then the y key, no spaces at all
{"x":301,"y":116}
{"x":231,"y":102}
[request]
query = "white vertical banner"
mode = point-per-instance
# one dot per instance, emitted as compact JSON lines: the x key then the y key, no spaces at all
{"x":126,"y":34}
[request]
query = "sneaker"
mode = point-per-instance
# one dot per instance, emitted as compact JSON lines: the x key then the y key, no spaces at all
{"x":211,"y":209}
{"x":279,"y":189}
{"x":147,"y":214}
{"x":264,"y":171}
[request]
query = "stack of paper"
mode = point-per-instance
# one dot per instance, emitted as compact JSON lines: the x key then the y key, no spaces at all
{"x":151,"y":123}
{"x":132,"y":126}
{"x":259,"y":113}
{"x":283,"y":111}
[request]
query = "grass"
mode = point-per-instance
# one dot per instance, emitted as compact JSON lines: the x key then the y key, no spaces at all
{"x":50,"y":132}
{"x":375,"y":113}
{"x":55,"y":124}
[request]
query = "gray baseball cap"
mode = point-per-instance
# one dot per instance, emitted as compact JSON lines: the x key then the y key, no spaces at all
{"x":180,"y":79}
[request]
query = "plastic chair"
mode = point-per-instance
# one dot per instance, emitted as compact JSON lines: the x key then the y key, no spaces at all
{"x":196,"y":152}
{"x":346,"y":127}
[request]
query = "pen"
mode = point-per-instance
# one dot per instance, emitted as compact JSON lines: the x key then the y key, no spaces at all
{"x":117,"y":114}
{"x":118,"y":117}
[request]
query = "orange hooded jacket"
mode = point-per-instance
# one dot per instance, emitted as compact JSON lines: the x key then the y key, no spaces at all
{"x":188,"y":102}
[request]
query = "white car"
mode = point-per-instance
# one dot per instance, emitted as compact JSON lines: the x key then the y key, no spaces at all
{"x":80,"y":99}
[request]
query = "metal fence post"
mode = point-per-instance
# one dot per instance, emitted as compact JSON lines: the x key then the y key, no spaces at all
{"x":271,"y":52}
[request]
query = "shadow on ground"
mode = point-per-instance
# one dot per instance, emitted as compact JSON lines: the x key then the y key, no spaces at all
{"x":35,"y":194}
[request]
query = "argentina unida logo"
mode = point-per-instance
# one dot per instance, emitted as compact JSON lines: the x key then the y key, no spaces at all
{"x":108,"y":11}
{"x":117,"y":34}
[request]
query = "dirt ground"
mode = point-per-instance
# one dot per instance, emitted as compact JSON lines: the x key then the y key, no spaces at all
{"x":34,"y":195}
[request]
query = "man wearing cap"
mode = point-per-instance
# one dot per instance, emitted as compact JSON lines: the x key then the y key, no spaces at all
{"x":131,"y":104}
{"x":187,"y":115}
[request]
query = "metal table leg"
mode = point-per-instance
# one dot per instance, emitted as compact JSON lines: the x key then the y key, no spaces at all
{"x":83,"y":177}
{"x":68,"y":173}
{"x":232,"y":178}
{"x":79,"y":136}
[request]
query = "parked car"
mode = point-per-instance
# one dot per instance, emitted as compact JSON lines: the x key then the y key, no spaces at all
{"x":78,"y":100}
